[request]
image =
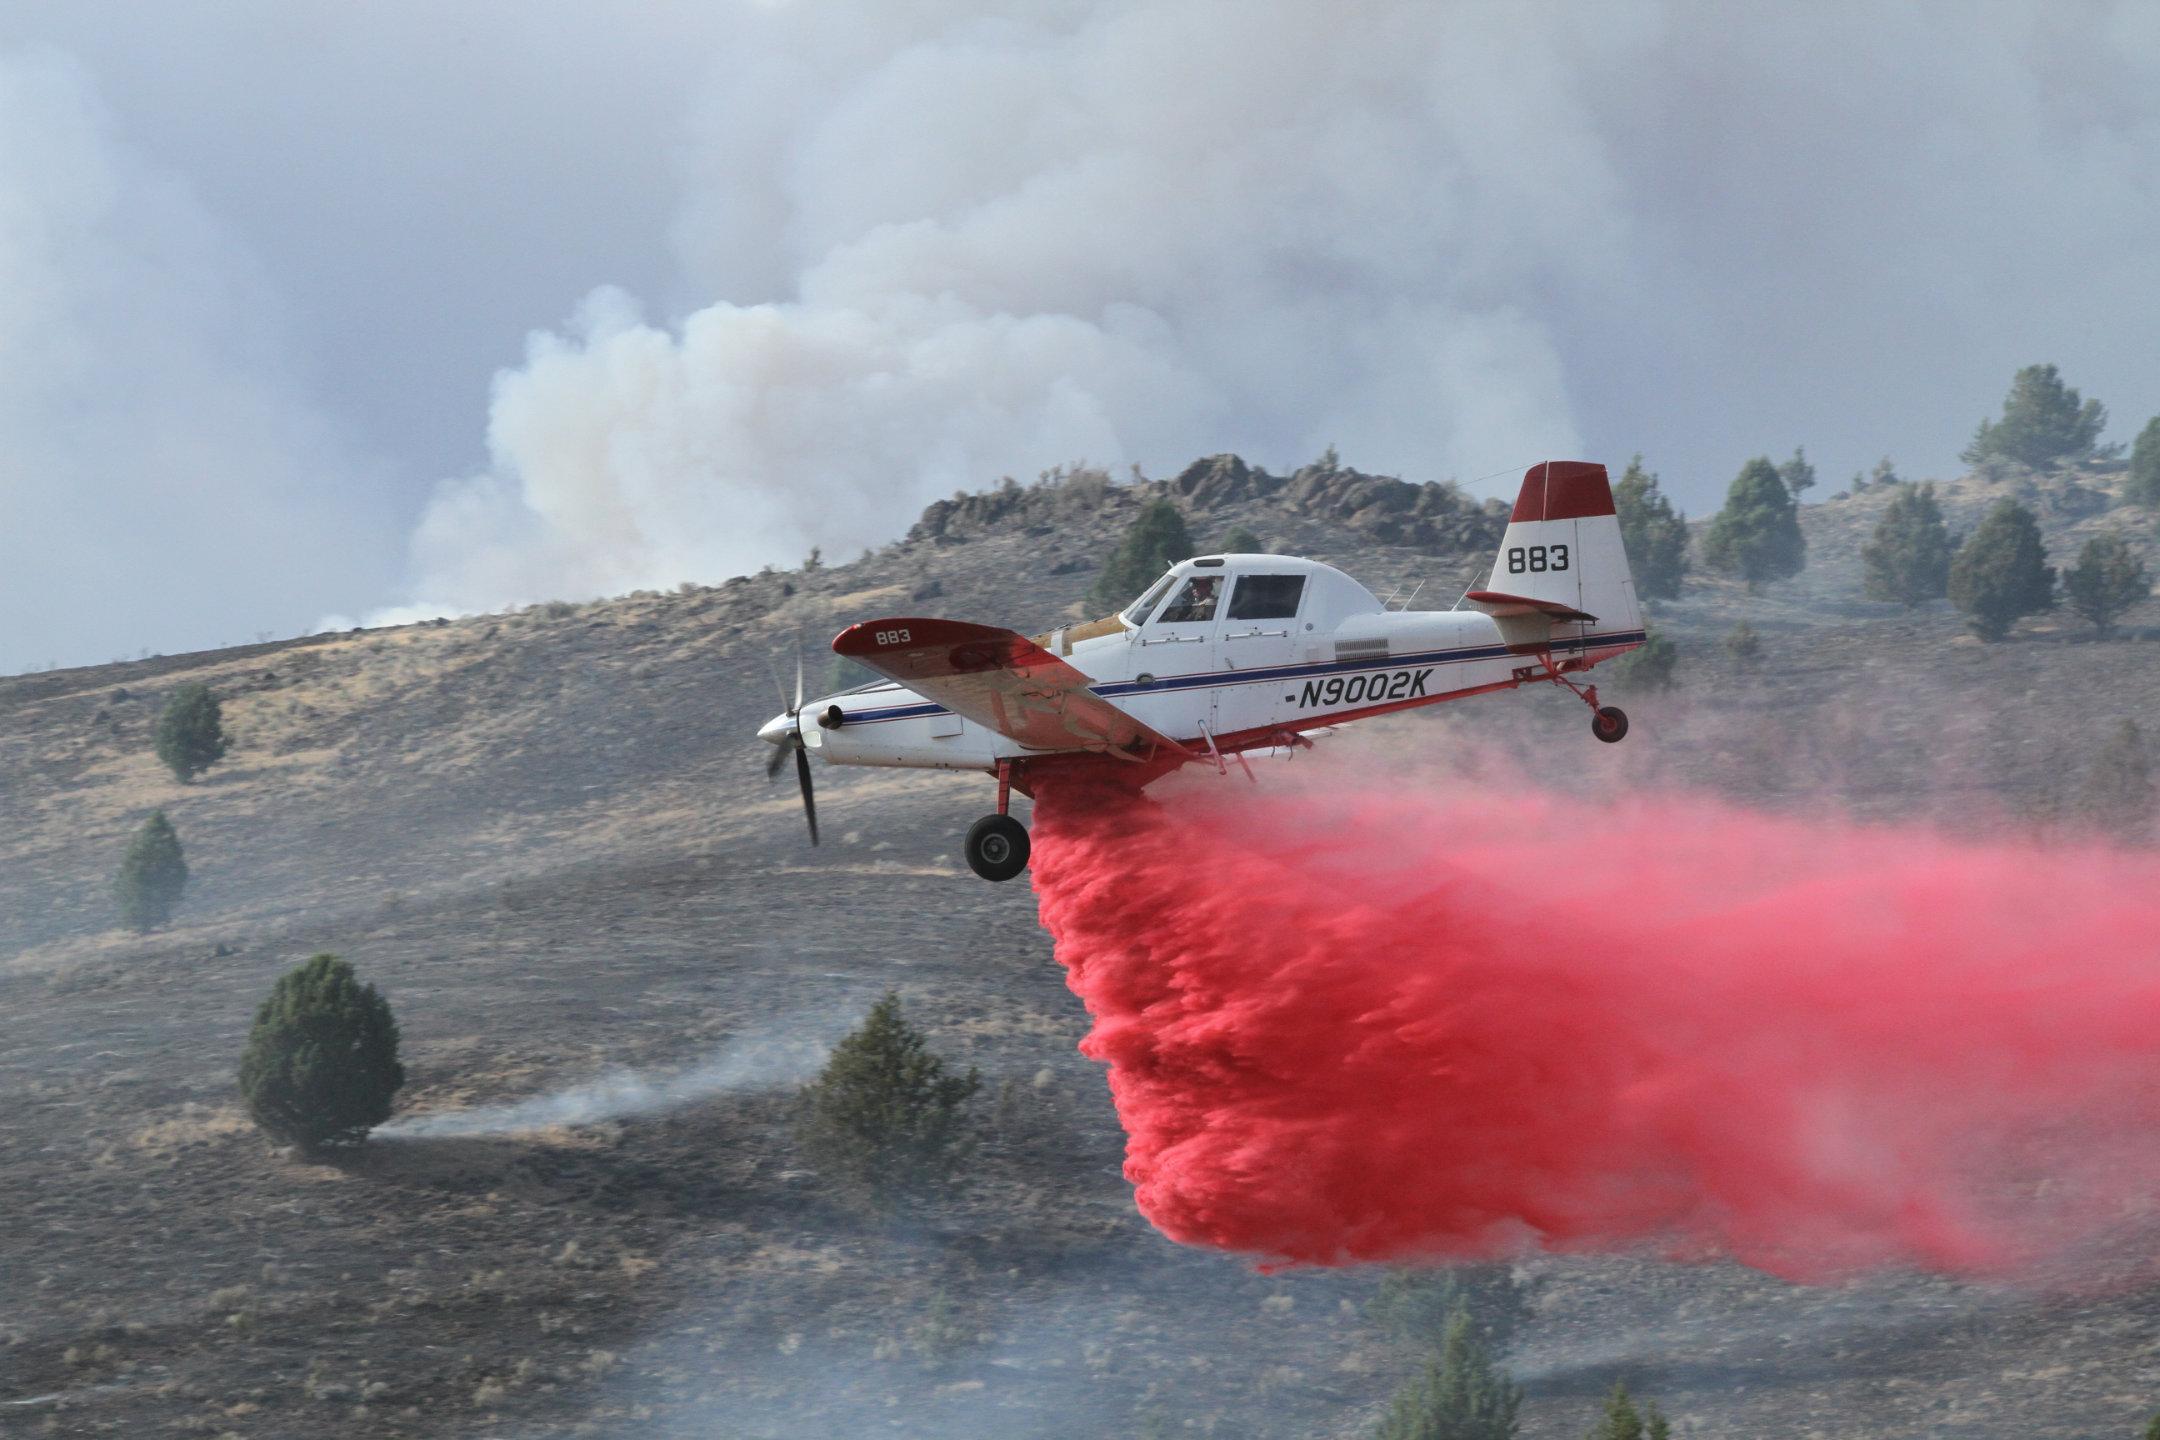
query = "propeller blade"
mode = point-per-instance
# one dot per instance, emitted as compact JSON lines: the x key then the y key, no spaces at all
{"x":779,"y":688}
{"x":809,"y":802}
{"x":779,"y":758}
{"x":798,"y":676}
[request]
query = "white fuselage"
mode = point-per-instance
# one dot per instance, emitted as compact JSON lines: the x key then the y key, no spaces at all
{"x":1239,"y":683}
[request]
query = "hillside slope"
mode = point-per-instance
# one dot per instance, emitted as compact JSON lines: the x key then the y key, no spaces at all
{"x":549,"y":838}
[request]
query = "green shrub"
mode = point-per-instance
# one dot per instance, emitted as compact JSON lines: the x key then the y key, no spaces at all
{"x":1907,"y":560}
{"x":152,"y":875}
{"x":1460,"y":1394}
{"x":2043,"y":423}
{"x":1652,"y":665}
{"x":884,"y":1120}
{"x":191,"y":731}
{"x":321,"y":1065}
{"x":1797,"y":473}
{"x":939,"y":1336}
{"x":1156,"y":540}
{"x":2143,"y":486}
{"x":1654,"y":533}
{"x":1744,"y":645}
{"x":1242,"y":541}
{"x":2107,"y":580}
{"x":1623,"y":1421}
{"x":1884,"y":473}
{"x":1757,"y":535}
{"x":2000,"y":574}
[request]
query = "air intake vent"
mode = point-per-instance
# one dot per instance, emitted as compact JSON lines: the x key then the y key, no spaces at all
{"x":1361,"y":649}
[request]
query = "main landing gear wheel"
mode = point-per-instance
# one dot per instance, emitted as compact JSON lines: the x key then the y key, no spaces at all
{"x":1609,"y":724}
{"x":997,"y":847}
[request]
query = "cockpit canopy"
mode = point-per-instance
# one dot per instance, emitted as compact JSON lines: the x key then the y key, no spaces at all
{"x":1136,"y":614}
{"x":1257,"y":587}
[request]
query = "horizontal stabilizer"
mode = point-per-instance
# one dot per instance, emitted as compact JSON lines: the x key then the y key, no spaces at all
{"x":1493,"y":603}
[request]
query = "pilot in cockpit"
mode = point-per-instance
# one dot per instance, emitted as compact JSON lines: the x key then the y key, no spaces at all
{"x":1195,"y":603}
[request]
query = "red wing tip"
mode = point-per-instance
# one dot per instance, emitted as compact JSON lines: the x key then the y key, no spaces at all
{"x":908,"y":632}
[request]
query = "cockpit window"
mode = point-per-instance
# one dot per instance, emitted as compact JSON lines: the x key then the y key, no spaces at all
{"x":1137,"y":612}
{"x":1267,"y":597}
{"x":1195,"y":604}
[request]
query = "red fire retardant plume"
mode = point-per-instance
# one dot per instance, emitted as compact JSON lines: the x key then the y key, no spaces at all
{"x":1448,"y":1022}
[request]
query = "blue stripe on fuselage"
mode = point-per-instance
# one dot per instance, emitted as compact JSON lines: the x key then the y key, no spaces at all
{"x":1217,"y":678}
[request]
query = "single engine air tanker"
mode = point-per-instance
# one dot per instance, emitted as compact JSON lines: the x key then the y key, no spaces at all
{"x":1224,"y":654}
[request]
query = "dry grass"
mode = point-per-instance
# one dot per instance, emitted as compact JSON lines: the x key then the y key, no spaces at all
{"x":194,"y":1125}
{"x":864,"y":601}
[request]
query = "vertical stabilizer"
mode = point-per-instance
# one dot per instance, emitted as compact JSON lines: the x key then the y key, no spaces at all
{"x":1562,"y":549}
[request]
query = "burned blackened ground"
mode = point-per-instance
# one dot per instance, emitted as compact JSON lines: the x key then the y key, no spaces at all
{"x":675,"y":1264}
{"x":548,"y":838}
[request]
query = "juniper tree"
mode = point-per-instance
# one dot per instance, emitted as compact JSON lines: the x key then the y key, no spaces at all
{"x":152,"y":875}
{"x":884,"y":1118}
{"x":1907,"y":560}
{"x":2117,"y":797}
{"x":191,"y":731}
{"x":2108,"y":579}
{"x":2044,"y":422}
{"x":1623,"y":1421}
{"x":1884,"y":473}
{"x":1650,"y":665}
{"x":2000,"y":574}
{"x":321,"y":1065}
{"x":1241,"y":541}
{"x":1798,"y":475}
{"x":1156,"y":540}
{"x":1460,"y":1394}
{"x":1654,"y":533}
{"x":1757,"y":535}
{"x":2152,"y":1431}
{"x":2143,"y":486}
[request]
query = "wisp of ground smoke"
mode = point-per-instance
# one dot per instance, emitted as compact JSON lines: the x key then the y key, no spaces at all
{"x":779,"y":1056}
{"x":1439,"y":1021}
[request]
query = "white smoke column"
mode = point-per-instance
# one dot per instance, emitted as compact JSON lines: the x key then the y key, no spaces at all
{"x":951,"y":241}
{"x":779,"y":1057}
{"x":982,"y":240}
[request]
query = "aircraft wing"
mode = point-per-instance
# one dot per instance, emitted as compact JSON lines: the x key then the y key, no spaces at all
{"x":999,"y":679}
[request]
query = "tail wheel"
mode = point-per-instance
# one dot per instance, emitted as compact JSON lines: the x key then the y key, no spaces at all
{"x":1609,"y":724}
{"x":997,"y":847}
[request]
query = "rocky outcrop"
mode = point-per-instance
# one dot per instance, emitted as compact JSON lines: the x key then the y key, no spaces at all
{"x":1059,"y":498}
{"x":1395,"y":512}
{"x":1224,"y":488}
{"x":1220,"y":481}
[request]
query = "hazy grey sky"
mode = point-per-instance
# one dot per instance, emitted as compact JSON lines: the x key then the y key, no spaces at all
{"x":312,"y":308}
